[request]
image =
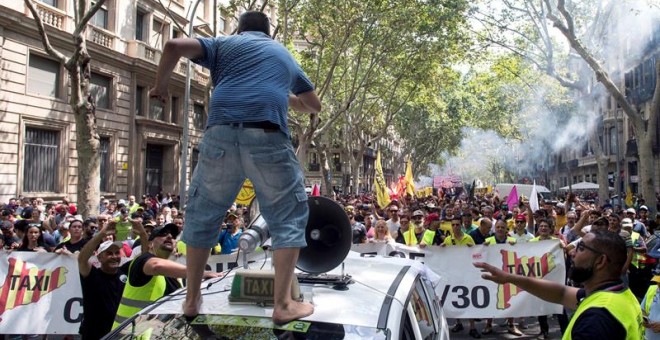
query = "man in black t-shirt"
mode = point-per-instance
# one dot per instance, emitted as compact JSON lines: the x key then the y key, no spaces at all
{"x":101,"y":287}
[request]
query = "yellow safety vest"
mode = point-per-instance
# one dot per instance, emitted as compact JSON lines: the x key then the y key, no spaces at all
{"x":650,"y":293}
{"x":638,"y":259}
{"x":622,"y":305}
{"x":411,"y":239}
{"x":134,"y":299}
{"x":493,"y":240}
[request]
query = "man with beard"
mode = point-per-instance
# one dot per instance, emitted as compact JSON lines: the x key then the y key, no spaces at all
{"x":151,"y":275}
{"x":101,"y":287}
{"x":418,"y":235}
{"x":605,"y":307}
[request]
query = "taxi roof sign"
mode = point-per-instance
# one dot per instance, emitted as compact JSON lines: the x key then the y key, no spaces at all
{"x":258,"y":286}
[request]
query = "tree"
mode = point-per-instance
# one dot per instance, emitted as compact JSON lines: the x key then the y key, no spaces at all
{"x":530,"y":24}
{"x":82,"y":102}
{"x":366,"y":71}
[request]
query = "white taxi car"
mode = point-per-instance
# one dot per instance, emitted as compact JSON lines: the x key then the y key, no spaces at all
{"x":354,"y":297}
{"x":388,"y":298}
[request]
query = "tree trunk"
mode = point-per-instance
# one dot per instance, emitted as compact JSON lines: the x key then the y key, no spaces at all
{"x":646,"y":167}
{"x":326,"y":189}
{"x":89,"y":171}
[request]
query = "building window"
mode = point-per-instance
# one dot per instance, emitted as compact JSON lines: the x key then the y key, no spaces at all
{"x":198,"y":116}
{"x":139,"y":26}
{"x":336,"y":161}
{"x":99,"y":87}
{"x":43,"y":76}
{"x":41,"y":160}
{"x":594,"y":178}
{"x":139,"y":102}
{"x":157,"y":34}
{"x":613,"y":141}
{"x":53,"y":3}
{"x":176,"y":34}
{"x":174,"y":110}
{"x":104,"y":155}
{"x":156,"y":110}
{"x":100,"y":18}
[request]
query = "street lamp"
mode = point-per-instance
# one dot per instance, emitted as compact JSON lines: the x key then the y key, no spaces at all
{"x":183,"y":182}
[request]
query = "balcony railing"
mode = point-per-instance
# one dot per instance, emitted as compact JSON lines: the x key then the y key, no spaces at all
{"x":100,"y":36}
{"x":51,"y":16}
{"x":314,"y":167}
{"x":139,"y":49}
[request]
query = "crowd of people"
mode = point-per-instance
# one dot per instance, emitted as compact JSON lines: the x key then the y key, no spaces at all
{"x":137,"y":240}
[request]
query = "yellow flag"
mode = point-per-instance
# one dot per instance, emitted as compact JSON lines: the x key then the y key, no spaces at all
{"x":379,"y":184}
{"x":629,"y":201}
{"x":489,"y":189}
{"x":429,"y":191}
{"x":246,"y":195}
{"x":410,"y":187}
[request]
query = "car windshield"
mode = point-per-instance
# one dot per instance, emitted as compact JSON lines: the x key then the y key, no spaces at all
{"x":170,"y":326}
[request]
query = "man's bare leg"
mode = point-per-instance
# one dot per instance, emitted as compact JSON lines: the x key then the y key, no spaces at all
{"x":195,"y":263}
{"x":286,"y":309}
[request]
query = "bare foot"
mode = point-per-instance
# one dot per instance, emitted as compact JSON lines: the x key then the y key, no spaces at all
{"x":191,"y":309}
{"x":293,"y":311}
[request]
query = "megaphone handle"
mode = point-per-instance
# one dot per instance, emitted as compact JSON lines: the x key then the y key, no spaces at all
{"x":245,"y":260}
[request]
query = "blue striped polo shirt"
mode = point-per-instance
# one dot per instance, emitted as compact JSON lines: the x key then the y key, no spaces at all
{"x":252,"y":76}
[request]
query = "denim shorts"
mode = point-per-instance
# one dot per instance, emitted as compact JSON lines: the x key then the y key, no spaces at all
{"x":228,"y":155}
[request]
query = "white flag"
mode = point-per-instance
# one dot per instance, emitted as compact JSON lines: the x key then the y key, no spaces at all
{"x":534,"y":199}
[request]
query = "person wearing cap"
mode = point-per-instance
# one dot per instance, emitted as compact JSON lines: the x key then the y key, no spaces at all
{"x":152,"y":275}
{"x":102,"y":287}
{"x":123,"y":225}
{"x":651,"y":310}
{"x":417,"y":234}
{"x":520,"y":233}
{"x":638,"y":227}
{"x":231,"y":232}
{"x":639,"y":273}
{"x":605,"y":308}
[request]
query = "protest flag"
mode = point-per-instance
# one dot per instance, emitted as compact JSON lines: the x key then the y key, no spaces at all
{"x":410,"y":186}
{"x":382,"y":196}
{"x":512,"y":200}
{"x":629,"y":198}
{"x":534,"y":198}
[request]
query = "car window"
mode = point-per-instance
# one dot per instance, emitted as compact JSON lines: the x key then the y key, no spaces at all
{"x":422,"y":309}
{"x":168,"y":326}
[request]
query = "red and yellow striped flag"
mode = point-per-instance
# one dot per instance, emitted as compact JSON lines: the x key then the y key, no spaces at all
{"x":534,"y":266}
{"x":24,"y":285}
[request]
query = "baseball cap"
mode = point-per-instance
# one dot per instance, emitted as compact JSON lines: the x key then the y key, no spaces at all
{"x":418,"y":213}
{"x":631,"y":210}
{"x":626,"y":223}
{"x":108,"y":244}
{"x":169,"y":228}
{"x":521,"y":217}
{"x":644,"y":208}
{"x":121,"y":201}
{"x":27,"y":213}
{"x":432,"y":217}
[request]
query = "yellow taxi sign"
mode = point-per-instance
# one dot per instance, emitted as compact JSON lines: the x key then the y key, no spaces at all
{"x":258,"y":286}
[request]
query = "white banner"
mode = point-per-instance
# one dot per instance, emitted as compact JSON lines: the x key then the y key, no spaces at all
{"x":41,"y":293}
{"x":462,"y":291}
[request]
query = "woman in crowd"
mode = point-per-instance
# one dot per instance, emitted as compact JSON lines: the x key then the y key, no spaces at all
{"x":381,"y":233}
{"x":33,"y":240}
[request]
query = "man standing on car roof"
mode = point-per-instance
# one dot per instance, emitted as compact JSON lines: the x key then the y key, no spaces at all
{"x":255,"y":82}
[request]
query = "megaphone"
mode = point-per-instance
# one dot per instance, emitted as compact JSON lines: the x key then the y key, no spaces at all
{"x":328,"y":234}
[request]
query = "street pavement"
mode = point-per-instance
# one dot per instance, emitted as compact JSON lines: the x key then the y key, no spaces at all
{"x":500,"y":330}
